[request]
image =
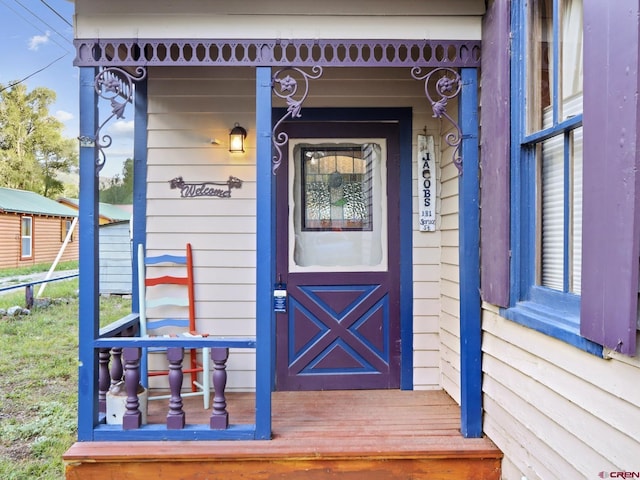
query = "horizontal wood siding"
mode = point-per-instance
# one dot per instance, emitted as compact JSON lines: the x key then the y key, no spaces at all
{"x":116,"y":258}
{"x":426,"y":271}
{"x":47,"y":240}
{"x":555,"y":411}
{"x":190,"y":106}
{"x":187,"y":109}
{"x":10,"y":240}
{"x":450,"y":274}
{"x":47,"y":234}
{"x":403,"y":19}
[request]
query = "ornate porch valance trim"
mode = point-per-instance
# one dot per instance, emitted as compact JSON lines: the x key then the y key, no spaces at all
{"x":337,"y":53}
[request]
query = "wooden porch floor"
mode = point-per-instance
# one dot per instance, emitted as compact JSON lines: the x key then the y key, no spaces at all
{"x":372,"y":434}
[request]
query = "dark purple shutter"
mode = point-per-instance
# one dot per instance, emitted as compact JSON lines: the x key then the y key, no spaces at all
{"x":494,"y":154}
{"x":610,"y":215}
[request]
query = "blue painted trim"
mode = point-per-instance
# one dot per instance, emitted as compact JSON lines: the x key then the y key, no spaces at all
{"x":172,"y":342}
{"x":566,"y":212}
{"x":362,"y":290}
{"x":553,"y":313}
{"x":364,"y":367}
{"x":156,"y":432}
{"x":381,"y":305}
{"x":120,"y":325}
{"x":517,"y":121}
{"x":470,"y":303}
{"x":266,"y":254}
{"x":139,"y":182}
{"x":549,"y":320}
{"x":556,"y":61}
{"x":88,"y":308}
{"x":139,"y":198}
{"x":404,"y":117}
{"x":566,"y":125}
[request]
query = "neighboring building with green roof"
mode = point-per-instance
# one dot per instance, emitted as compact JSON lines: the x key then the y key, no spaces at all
{"x":23,"y":201}
{"x":33,"y":228}
{"x":115,"y":249}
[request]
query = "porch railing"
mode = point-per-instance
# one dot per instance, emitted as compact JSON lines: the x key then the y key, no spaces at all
{"x":120,"y":352}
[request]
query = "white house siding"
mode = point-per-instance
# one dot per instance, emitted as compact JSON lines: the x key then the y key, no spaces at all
{"x":555,"y":411}
{"x":449,"y":326}
{"x":116,"y":257}
{"x":283,"y":19}
{"x":188,"y":107}
{"x":426,"y":269}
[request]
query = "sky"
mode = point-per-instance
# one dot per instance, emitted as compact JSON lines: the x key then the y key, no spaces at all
{"x":36,"y":47}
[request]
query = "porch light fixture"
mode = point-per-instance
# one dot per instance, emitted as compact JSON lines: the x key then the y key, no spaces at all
{"x":236,"y":139}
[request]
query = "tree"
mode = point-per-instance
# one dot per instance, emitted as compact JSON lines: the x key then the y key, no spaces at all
{"x":60,"y":156}
{"x":33,"y":150}
{"x":119,"y":190}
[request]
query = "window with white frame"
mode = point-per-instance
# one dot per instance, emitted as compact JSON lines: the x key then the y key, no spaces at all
{"x":26,"y":235}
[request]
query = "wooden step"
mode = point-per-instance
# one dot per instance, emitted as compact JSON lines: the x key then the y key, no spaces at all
{"x":371,"y":435}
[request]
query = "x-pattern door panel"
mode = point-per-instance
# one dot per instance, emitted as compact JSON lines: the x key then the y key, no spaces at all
{"x":339,"y":329}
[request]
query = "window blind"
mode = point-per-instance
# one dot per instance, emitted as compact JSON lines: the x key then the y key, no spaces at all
{"x":555,"y":191}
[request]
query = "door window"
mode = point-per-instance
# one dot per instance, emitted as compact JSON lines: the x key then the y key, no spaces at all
{"x":338,"y":214}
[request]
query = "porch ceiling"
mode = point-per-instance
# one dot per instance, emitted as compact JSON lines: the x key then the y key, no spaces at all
{"x":311,"y":52}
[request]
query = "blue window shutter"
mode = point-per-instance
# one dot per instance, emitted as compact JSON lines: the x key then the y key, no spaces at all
{"x":494,"y":182}
{"x":610,"y":215}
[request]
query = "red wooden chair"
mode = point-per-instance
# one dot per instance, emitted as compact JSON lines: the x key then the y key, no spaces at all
{"x":167,"y":307}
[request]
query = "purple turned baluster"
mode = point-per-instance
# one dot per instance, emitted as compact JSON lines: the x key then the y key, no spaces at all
{"x":116,"y":365}
{"x":104,"y":380}
{"x":175,"y":417}
{"x":219,"y":416}
{"x":132,"y":418}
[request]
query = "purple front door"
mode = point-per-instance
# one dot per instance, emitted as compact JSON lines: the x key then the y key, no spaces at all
{"x":337,"y":240}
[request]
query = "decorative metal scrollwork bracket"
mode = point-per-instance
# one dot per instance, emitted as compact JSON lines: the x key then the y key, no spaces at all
{"x":446,"y":84}
{"x":115,"y":85}
{"x":294,"y":96}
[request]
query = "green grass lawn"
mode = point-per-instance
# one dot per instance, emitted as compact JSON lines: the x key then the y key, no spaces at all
{"x":40,"y":267}
{"x":38,"y":381}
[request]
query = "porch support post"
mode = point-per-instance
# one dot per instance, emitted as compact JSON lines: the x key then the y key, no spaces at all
{"x":139,"y":179}
{"x":266,"y":254}
{"x":88,"y":309}
{"x":470,"y":303}
{"x":139,"y":219}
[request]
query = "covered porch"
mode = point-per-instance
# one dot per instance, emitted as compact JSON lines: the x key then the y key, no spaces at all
{"x":451,"y":71}
{"x":331,"y":434}
{"x":326,"y":434}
